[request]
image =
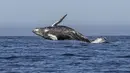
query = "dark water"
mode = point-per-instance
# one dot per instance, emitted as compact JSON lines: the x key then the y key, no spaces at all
{"x":35,"y":55}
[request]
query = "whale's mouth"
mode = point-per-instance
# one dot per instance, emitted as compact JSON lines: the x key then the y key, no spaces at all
{"x":99,"y":40}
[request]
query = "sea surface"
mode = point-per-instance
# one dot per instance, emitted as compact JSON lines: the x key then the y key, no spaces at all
{"x":32,"y":54}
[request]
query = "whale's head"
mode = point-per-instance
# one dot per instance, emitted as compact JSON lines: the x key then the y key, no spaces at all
{"x":41,"y":31}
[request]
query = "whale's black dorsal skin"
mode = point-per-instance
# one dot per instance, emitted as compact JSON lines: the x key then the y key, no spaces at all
{"x":58,"y":32}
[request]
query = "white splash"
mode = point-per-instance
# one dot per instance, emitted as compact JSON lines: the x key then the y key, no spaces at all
{"x":53,"y":37}
{"x":99,"y":40}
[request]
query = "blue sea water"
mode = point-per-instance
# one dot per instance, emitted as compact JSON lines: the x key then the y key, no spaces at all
{"x":33,"y":54}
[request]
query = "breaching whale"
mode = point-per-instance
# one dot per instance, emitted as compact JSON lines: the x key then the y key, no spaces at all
{"x":60,"y":32}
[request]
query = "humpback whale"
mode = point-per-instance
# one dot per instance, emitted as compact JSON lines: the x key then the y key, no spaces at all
{"x":60,"y":32}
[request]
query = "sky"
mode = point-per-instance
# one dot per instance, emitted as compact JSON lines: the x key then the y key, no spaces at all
{"x":90,"y":17}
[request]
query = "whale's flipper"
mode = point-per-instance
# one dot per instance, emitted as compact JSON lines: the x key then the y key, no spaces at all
{"x":57,"y":22}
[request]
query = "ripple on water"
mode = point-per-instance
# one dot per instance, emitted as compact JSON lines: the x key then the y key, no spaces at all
{"x":36,"y":55}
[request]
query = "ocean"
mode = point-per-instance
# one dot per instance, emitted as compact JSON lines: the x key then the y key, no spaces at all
{"x":32,"y":54}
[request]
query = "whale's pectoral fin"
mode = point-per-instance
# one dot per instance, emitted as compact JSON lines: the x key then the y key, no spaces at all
{"x":52,"y":37}
{"x":57,"y":22}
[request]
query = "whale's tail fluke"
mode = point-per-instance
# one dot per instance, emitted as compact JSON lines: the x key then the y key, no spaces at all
{"x":57,"y":22}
